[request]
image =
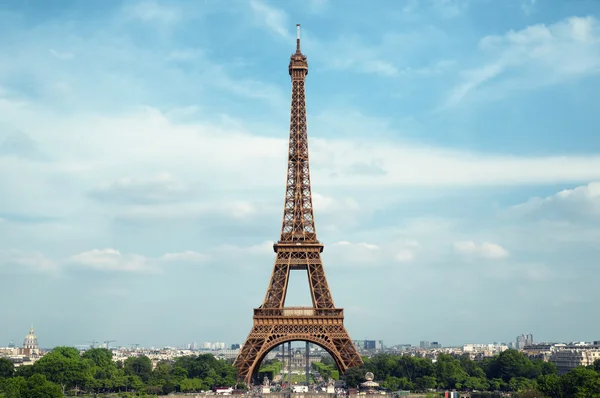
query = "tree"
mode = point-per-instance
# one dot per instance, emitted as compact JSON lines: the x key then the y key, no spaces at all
{"x":509,"y":364}
{"x":14,"y":387}
{"x":101,"y":357}
{"x":449,"y":373}
{"x":39,"y":387}
{"x":138,"y":366}
{"x":7,"y":369}
{"x":580,"y":383}
{"x":354,"y":376}
{"x":327,"y":360}
{"x":64,"y":366}
{"x":549,"y":385}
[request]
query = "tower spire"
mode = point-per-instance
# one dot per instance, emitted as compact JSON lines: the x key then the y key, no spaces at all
{"x":298,"y":38}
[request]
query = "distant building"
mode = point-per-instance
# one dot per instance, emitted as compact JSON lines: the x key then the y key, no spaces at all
{"x":298,"y":358}
{"x":424,"y":345}
{"x":435,"y":344}
{"x":480,"y":351}
{"x":369,"y":344}
{"x":235,"y":346}
{"x":573,"y":356}
{"x":524,"y":340}
{"x":30,"y":345}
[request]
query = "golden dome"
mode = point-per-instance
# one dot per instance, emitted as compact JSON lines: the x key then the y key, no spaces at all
{"x":30,"y":340}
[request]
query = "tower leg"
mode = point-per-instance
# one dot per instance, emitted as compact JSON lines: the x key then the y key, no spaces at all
{"x":290,"y":364}
{"x":307,"y":363}
{"x":282,"y":364}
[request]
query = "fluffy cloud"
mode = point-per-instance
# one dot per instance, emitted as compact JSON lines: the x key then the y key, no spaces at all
{"x":113,"y":260}
{"x":273,"y":18}
{"x":537,"y":55}
{"x":582,"y":201}
{"x":485,"y":249}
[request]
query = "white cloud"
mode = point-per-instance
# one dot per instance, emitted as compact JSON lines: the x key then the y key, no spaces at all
{"x":185,"y":256}
{"x":272,"y":18}
{"x":355,"y":254}
{"x":113,"y":260}
{"x":485,"y":249}
{"x":541,"y":54}
{"x":263,"y":248}
{"x":190,"y":210}
{"x":327,"y":204}
{"x":229,"y":172}
{"x":582,"y":200}
{"x":17,"y":260}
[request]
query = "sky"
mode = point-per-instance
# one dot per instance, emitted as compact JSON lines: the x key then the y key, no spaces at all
{"x":455,"y":163}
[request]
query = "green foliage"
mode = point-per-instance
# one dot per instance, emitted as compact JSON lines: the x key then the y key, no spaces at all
{"x":7,"y":369}
{"x":65,"y":371}
{"x":326,"y":371}
{"x":580,"y":383}
{"x":510,"y":372}
{"x":269,"y":370}
{"x":37,"y":386}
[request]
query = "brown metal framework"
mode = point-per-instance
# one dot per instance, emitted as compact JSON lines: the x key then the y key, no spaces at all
{"x":297,"y":249}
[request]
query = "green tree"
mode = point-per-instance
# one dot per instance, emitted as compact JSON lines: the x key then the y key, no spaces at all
{"x":7,"y":369}
{"x":549,"y":385}
{"x":39,"y":387}
{"x":138,"y":366}
{"x":354,"y":376}
{"x":14,"y":387}
{"x":511,"y":363}
{"x":580,"y":383}
{"x":449,"y":373}
{"x":64,"y":367}
{"x":101,"y":357}
{"x":476,"y":384}
{"x":191,"y":385}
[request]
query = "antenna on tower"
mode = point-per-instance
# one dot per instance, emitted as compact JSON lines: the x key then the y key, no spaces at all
{"x":298,"y":37}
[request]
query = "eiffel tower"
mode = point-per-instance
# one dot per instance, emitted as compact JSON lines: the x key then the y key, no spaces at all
{"x":297,"y":249}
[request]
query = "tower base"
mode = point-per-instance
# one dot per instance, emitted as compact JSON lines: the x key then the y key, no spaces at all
{"x":273,"y":327}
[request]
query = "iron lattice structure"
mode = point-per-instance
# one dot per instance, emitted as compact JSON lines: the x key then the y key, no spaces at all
{"x":297,"y":249}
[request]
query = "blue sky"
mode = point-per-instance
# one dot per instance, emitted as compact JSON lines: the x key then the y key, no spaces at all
{"x":454,"y":149}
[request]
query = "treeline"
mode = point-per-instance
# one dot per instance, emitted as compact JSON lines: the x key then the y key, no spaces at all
{"x":269,"y":369}
{"x":326,"y":370}
{"x":511,"y":371}
{"x":66,"y":371}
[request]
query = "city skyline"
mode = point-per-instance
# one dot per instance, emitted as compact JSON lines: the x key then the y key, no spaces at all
{"x":455,"y":167}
